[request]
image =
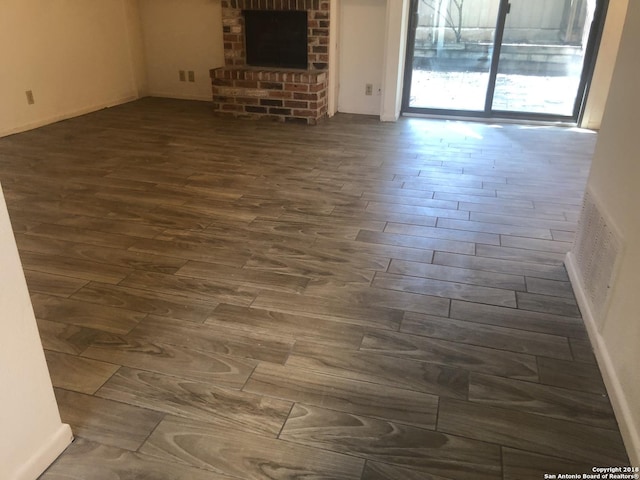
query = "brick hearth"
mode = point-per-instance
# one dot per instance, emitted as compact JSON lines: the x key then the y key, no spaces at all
{"x":283,"y":94}
{"x":295,"y":96}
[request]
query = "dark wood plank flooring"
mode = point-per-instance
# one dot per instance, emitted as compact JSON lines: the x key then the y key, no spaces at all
{"x":223,"y":299}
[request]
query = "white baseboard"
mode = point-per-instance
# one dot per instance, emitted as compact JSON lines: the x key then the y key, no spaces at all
{"x":629,"y":431}
{"x":389,"y":118}
{"x":356,"y":110}
{"x":46,"y":454}
{"x":182,"y":96}
{"x":66,"y":115}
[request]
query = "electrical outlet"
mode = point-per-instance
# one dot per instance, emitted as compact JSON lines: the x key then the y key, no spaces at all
{"x":192,"y":76}
{"x":30,"y":99}
{"x":181,"y":75}
{"x":368,"y":89}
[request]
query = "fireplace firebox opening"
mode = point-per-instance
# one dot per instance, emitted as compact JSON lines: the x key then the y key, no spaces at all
{"x":276,"y":38}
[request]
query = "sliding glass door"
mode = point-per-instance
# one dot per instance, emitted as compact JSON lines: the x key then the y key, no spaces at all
{"x":449,"y":72}
{"x":499,"y":57}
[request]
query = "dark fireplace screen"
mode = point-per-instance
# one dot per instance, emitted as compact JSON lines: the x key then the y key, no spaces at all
{"x":276,"y":38}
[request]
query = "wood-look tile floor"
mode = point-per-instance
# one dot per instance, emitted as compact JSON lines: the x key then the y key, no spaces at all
{"x":223,"y":299}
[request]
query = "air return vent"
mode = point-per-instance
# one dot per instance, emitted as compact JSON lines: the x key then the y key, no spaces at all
{"x":596,"y":251}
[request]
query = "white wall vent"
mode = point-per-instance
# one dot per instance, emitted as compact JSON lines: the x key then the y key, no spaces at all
{"x":596,"y":251}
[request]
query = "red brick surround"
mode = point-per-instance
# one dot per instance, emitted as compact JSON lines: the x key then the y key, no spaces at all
{"x":317,"y":35}
{"x":293,"y":95}
{"x":286,"y":95}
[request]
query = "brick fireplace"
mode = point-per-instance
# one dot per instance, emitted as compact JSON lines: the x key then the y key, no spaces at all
{"x":291,"y":95}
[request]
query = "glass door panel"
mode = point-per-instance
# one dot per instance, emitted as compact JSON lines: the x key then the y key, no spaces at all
{"x":542,"y":56}
{"x":451,"y":59}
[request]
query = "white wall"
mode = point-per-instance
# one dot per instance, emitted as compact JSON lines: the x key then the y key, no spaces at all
{"x":334,"y":66}
{"x":614,"y":181}
{"x":136,"y":47}
{"x":181,"y":35}
{"x":31,"y":433}
{"x":397,"y":25}
{"x":74,"y":55}
{"x":606,"y":60}
{"x":362,"y":25}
